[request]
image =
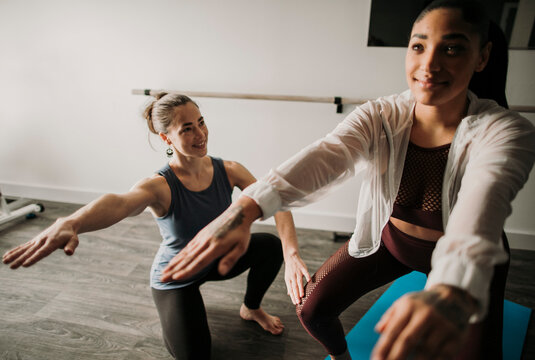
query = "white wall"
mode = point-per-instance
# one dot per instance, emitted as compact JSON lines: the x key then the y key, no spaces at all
{"x":70,"y":128}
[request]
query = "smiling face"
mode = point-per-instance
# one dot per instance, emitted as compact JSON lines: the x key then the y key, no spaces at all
{"x":188,"y":135}
{"x":443,"y":53}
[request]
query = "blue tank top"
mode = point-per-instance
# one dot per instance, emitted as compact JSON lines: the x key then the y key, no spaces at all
{"x":189,"y":212}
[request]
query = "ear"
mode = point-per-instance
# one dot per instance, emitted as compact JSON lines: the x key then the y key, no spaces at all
{"x":165,"y":138}
{"x":484,"y":56}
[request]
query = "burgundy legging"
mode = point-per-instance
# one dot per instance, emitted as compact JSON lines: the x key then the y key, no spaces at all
{"x":343,"y":279}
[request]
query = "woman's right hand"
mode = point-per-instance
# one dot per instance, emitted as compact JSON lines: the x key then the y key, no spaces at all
{"x":227,"y":237}
{"x":61,"y":234}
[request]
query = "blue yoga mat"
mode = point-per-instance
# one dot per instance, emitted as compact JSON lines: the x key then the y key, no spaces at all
{"x":362,"y":338}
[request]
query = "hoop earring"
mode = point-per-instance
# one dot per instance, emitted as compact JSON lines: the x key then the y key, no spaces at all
{"x":169,"y":152}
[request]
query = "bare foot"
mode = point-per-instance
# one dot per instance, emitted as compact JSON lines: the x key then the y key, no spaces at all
{"x":268,"y":322}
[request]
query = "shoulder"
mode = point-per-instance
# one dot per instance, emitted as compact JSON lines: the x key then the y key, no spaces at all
{"x":164,"y":170}
{"x":238,"y":174}
{"x":397,"y":107}
{"x":497,"y":134}
{"x":489,"y":118}
{"x":156,"y":193}
{"x":394,"y":109}
{"x":154,"y":184}
{"x":234,"y":168}
{"x":401,"y":101}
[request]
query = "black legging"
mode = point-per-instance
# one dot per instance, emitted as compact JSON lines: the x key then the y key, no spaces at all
{"x":182,"y":313}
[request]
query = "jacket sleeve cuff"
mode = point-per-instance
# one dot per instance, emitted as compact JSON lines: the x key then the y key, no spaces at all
{"x":265,"y":196}
{"x":469,"y":277}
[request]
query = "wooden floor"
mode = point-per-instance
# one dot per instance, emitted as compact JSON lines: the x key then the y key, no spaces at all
{"x":97,"y":304}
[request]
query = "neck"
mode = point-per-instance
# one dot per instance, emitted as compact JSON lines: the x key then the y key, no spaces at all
{"x":188,"y":164}
{"x":436,"y":125}
{"x":440,"y":117}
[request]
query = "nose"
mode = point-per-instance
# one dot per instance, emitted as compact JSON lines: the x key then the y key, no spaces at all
{"x":430,"y":60}
{"x":199,"y":133}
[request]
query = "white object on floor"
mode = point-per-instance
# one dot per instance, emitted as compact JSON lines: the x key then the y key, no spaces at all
{"x":16,"y":209}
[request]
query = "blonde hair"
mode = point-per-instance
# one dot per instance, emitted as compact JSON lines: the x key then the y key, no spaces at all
{"x":159,"y":113}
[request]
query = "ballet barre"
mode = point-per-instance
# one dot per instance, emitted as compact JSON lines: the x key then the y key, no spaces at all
{"x":336,"y":100}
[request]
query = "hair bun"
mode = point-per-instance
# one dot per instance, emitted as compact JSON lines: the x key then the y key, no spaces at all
{"x":160,"y":95}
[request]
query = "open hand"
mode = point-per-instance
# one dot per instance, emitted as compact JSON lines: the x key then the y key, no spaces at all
{"x":227,"y":236}
{"x":294,"y":271}
{"x":59,"y":235}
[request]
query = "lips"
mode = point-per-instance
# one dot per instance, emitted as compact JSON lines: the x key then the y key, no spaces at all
{"x":201,"y":145}
{"x":429,"y":83}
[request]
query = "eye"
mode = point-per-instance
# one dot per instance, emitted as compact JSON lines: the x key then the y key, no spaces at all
{"x":417,"y":47}
{"x":201,"y":123}
{"x":187,"y":129}
{"x":453,"y":50}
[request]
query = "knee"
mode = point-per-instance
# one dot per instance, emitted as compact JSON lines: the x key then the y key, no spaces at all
{"x":299,"y":310}
{"x":307,"y":311}
{"x":277,"y":248}
{"x":272,"y":246}
{"x":315,"y":308}
{"x":306,"y":314}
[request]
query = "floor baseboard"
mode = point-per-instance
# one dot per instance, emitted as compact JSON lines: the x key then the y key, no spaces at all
{"x":337,"y":223}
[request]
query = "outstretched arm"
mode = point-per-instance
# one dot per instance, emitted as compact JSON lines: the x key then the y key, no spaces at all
{"x":99,"y":214}
{"x":433,"y":322}
{"x":226,"y":237}
{"x":297,"y":181}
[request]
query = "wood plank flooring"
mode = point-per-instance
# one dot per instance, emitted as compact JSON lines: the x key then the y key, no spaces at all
{"x":97,"y":304}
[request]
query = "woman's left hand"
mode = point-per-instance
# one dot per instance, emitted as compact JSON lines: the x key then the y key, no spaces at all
{"x":429,"y":324}
{"x":294,"y":271}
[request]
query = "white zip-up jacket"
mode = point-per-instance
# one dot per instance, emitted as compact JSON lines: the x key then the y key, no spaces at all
{"x":489,"y":161}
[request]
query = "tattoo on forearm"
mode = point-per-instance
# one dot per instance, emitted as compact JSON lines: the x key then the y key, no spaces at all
{"x":230,"y":219}
{"x":456,"y":309}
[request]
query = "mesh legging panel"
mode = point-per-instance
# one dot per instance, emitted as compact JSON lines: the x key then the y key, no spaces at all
{"x":338,"y":283}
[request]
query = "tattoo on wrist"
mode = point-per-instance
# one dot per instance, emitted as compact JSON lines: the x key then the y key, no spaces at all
{"x":457,"y":308}
{"x":230,"y":219}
